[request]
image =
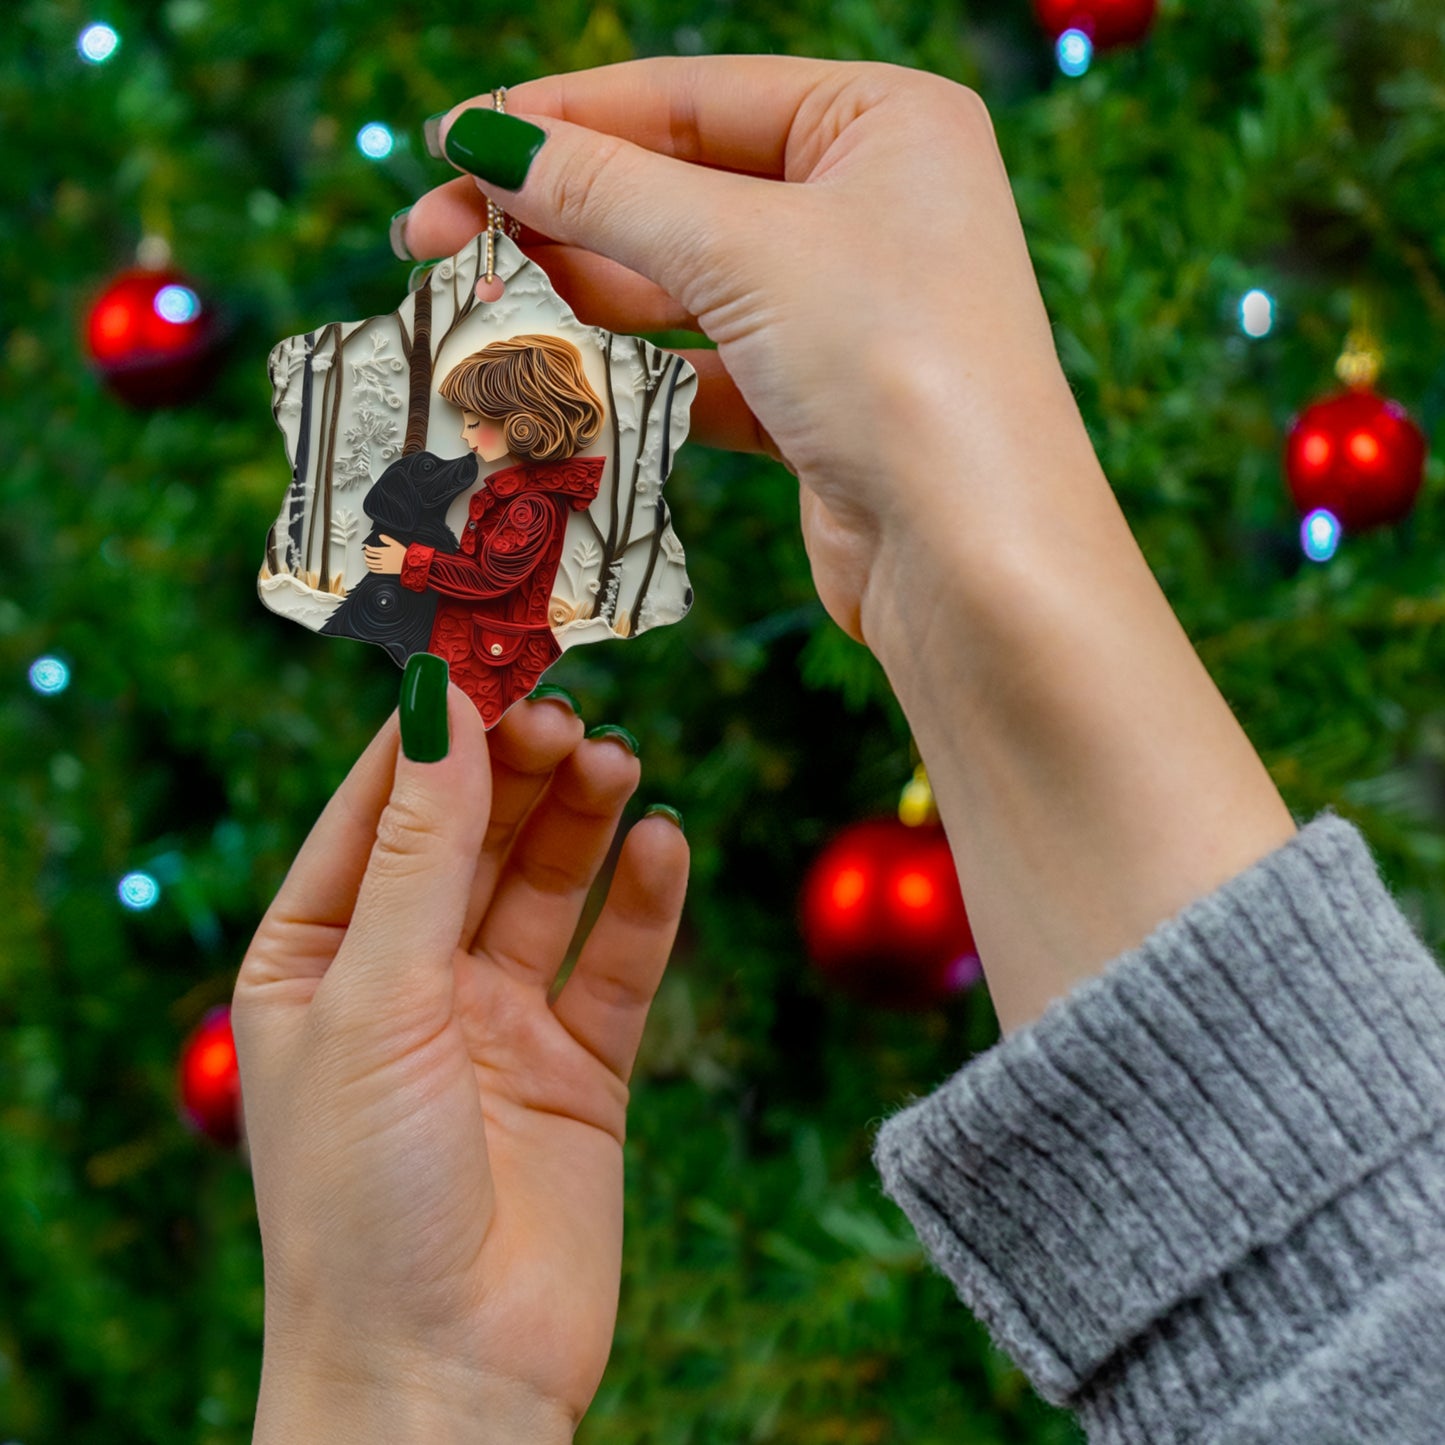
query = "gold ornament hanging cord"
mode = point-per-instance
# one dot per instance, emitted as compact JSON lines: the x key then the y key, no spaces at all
{"x":497,"y":218}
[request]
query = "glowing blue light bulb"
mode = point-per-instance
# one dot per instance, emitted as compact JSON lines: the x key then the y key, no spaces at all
{"x":177,"y":304}
{"x":49,"y":675}
{"x":375,"y":140}
{"x":97,"y":43}
{"x":1320,"y":535}
{"x":1075,"y":52}
{"x":1256,"y":313}
{"x":138,"y":891}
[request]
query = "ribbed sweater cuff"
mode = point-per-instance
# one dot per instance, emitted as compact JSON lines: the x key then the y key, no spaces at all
{"x":1208,"y":1109}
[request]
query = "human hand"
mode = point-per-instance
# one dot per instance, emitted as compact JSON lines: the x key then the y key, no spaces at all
{"x":847,"y":235}
{"x":388,"y":558}
{"x":877,"y":319}
{"x":436,"y":1148}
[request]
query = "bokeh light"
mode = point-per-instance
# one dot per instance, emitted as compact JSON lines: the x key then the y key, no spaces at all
{"x":1256,"y":313}
{"x":1364,"y":448}
{"x":49,"y":675}
{"x":1075,"y":52}
{"x":375,"y":140}
{"x":97,"y":43}
{"x":138,"y":891}
{"x":914,"y":889}
{"x":1320,"y":535}
{"x":177,"y":304}
{"x":849,"y":887}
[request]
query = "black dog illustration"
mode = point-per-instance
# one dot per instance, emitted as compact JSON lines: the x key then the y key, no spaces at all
{"x":409,"y":503}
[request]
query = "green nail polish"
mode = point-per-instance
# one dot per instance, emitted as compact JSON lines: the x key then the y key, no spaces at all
{"x":611,"y":730}
{"x":664,"y":811}
{"x":397,"y":234}
{"x":498,"y":148}
{"x":431,"y":133}
{"x":419,"y":273}
{"x":550,"y":689}
{"x":424,"y":733}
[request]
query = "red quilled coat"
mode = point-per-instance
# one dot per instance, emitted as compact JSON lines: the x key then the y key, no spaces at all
{"x":491,"y":621}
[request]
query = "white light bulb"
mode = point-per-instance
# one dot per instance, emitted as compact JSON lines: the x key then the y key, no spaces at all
{"x":375,"y":140}
{"x":177,"y":304}
{"x":1256,"y":313}
{"x":138,"y":891}
{"x":1320,"y":535}
{"x":49,"y":675}
{"x":97,"y":43}
{"x":1075,"y":52}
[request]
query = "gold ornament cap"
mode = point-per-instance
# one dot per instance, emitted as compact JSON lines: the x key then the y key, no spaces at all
{"x":1360,"y":362}
{"x":915,"y":804}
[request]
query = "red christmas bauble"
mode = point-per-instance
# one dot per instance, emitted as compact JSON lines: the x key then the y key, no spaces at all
{"x":152,"y":338}
{"x":210,"y":1081}
{"x":883,"y":917}
{"x":1359,"y":456}
{"x":1107,"y":23}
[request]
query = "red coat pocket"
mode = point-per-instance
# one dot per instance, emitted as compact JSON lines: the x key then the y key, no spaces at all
{"x":498,"y":643}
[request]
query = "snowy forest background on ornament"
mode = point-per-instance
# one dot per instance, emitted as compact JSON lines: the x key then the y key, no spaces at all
{"x":352,"y":397}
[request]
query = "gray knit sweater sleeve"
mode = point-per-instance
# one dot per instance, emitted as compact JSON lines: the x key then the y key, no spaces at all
{"x":1202,"y":1199}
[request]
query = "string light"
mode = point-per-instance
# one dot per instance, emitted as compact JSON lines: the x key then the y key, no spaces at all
{"x":138,"y":891}
{"x":375,"y":141}
{"x":1075,"y":52}
{"x":97,"y":43}
{"x":1320,"y":535}
{"x":49,"y":675}
{"x":177,"y":304}
{"x":1256,"y":313}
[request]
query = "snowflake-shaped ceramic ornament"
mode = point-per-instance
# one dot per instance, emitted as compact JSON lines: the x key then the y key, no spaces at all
{"x":479,"y":479}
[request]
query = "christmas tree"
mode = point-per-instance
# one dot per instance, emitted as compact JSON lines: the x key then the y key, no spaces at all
{"x":1213,"y":211}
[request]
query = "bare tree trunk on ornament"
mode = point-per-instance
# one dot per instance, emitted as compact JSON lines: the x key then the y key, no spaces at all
{"x":421,"y":353}
{"x":332,"y":428}
{"x":617,"y":544}
{"x":660,"y":515}
{"x":331,"y":333}
{"x":659,"y":522}
{"x":417,"y":350}
{"x":287,"y":556}
{"x":609,"y":542}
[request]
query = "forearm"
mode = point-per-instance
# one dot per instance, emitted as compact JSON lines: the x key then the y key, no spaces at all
{"x":1092,"y":779}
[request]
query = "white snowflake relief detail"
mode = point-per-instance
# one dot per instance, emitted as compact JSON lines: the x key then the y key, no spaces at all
{"x":370,"y":377}
{"x":370,"y":433}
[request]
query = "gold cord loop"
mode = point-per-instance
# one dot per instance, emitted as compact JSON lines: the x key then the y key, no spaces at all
{"x":497,"y":218}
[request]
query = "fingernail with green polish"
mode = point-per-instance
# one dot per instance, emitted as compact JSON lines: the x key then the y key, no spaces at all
{"x":550,"y":689}
{"x":397,"y":234}
{"x":419,"y":273}
{"x":611,"y":730}
{"x":424,"y":733}
{"x":498,"y":148}
{"x":431,"y":133}
{"x":671,"y":814}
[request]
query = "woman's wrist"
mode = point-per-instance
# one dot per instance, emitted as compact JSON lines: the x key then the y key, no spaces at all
{"x":1092,"y":779}
{"x":409,"y":1400}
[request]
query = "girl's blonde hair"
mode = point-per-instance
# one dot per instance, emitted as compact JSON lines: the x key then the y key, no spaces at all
{"x":533,"y":385}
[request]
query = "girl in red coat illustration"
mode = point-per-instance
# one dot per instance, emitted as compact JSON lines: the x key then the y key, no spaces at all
{"x":526,"y":398}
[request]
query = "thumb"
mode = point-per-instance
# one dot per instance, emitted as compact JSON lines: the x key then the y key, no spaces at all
{"x":395,"y":963}
{"x":660,"y":217}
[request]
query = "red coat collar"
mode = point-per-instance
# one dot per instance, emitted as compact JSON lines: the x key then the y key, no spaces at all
{"x":571,"y":477}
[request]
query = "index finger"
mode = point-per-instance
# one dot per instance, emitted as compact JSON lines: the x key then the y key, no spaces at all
{"x":733,"y":112}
